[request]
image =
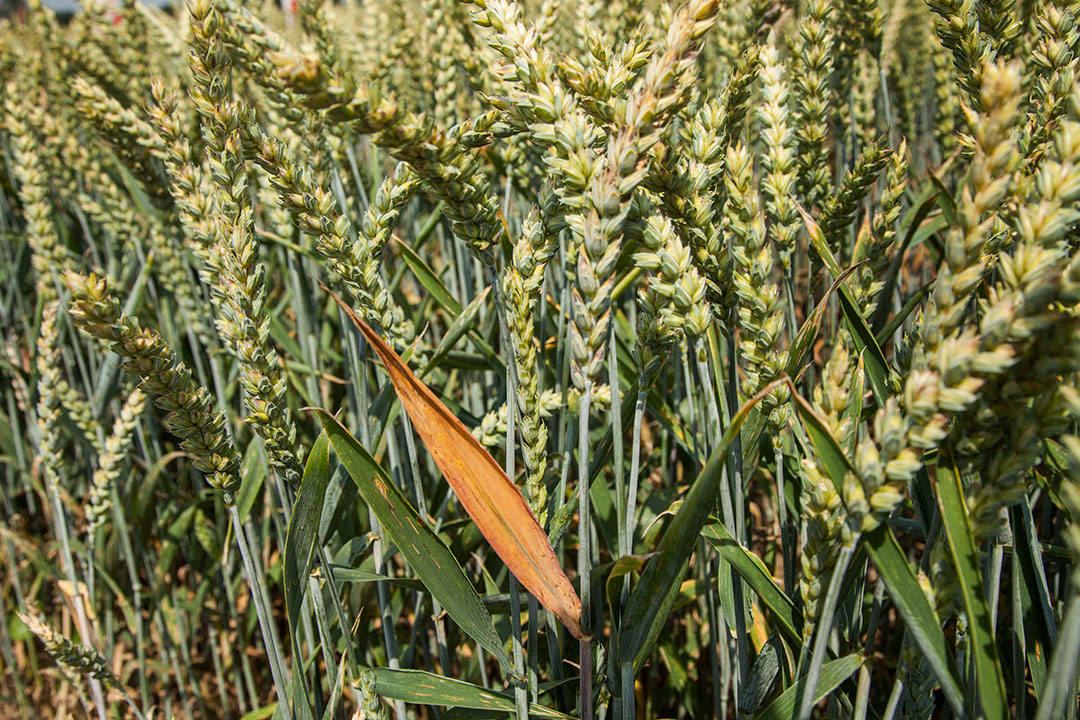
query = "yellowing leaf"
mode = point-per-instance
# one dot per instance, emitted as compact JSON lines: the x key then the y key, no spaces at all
{"x":489,"y":497}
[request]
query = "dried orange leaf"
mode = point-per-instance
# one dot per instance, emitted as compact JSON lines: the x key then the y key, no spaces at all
{"x":489,"y":497}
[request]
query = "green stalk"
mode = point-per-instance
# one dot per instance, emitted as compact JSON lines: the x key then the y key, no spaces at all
{"x":862,"y":695}
{"x":170,"y":654}
{"x":700,"y":443}
{"x":264,"y":592}
{"x":85,"y":632}
{"x":534,"y":650}
{"x":521,"y":694}
{"x":635,"y":471}
{"x":715,"y":636}
{"x":787,"y":543}
{"x":584,"y":559}
{"x":245,"y":663}
{"x":273,"y":651}
{"x":185,"y":650}
{"x":323,"y":624}
{"x":702,"y":361}
{"x":136,"y":593}
{"x":734,"y":467}
{"x":219,"y":676}
{"x":622,"y":530}
{"x":1019,"y":642}
{"x":895,"y":696}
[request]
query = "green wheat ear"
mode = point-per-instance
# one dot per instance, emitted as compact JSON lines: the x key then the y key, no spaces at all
{"x":73,"y":658}
{"x":96,"y":311}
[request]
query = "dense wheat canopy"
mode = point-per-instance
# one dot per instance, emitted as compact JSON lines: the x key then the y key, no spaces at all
{"x":540,"y":358}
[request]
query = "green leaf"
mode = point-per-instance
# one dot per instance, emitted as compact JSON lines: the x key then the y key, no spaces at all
{"x":877,"y":368}
{"x":261,"y":713}
{"x":426,"y":553}
{"x":911,"y":603}
{"x":252,"y":475}
{"x":356,"y":575}
{"x":651,"y":601}
{"x":303,"y":527}
{"x":911,"y":223}
{"x":281,"y":334}
{"x":833,"y":673}
{"x":1040,"y":628}
{"x":7,"y":439}
{"x":108,"y":377}
{"x":923,"y":500}
{"x":882,"y":336}
{"x":429,"y":279}
{"x":762,"y":676}
{"x":461,"y":325}
{"x":928,"y":230}
{"x":945,"y":200}
{"x":603,"y":512}
{"x":989,"y":698}
{"x":424,"y":688}
{"x":298,"y":694}
{"x":331,"y":709}
{"x":177,"y":530}
{"x":750,"y":567}
{"x":619,"y":569}
{"x":854,"y":410}
{"x":804,"y":339}
{"x":892,"y":565}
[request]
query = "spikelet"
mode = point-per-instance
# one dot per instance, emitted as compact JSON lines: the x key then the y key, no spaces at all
{"x":778,"y":158}
{"x":189,"y":415}
{"x":760,"y":319}
{"x":316,"y":212}
{"x":691,"y":181}
{"x":1005,"y":428}
{"x":491,"y":431}
{"x":919,"y":684}
{"x":947,"y":104}
{"x":375,"y":228}
{"x":998,"y":20}
{"x":951,"y":364}
{"x":50,"y":375}
{"x":522,"y":285}
{"x":78,"y":410}
{"x":128,"y":135}
{"x":110,"y":462}
{"x":73,"y":658}
{"x":823,"y":516}
{"x":50,"y":256}
{"x":1053,"y":59}
{"x":958,"y":30}
{"x":840,"y":210}
{"x":876,"y":250}
{"x":814,"y":65}
{"x":371,"y":707}
{"x":242,"y":320}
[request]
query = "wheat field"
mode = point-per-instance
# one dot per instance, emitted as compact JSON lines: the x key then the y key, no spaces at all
{"x":562,"y":359}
